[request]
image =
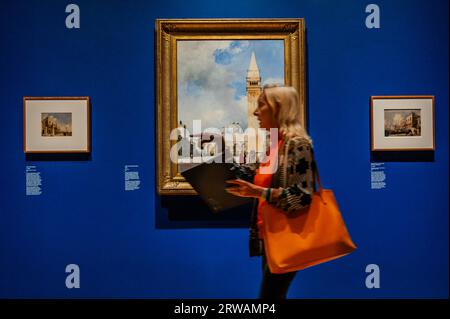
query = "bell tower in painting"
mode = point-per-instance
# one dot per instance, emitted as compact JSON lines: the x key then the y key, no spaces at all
{"x":253,"y":91}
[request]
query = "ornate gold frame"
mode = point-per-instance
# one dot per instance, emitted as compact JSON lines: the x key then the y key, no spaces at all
{"x":168,"y":32}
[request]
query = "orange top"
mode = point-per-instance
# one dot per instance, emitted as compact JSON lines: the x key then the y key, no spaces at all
{"x":265,"y":180}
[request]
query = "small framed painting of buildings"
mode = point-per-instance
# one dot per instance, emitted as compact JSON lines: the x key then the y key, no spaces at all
{"x":56,"y":125}
{"x":402,"y":123}
{"x":210,"y":72}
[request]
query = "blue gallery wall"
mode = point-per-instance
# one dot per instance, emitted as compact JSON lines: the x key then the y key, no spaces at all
{"x":126,"y":244}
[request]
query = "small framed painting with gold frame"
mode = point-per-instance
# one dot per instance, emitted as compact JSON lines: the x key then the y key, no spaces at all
{"x":402,"y":123}
{"x":56,"y":125}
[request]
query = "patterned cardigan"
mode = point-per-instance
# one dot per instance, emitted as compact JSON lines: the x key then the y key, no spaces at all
{"x":297,"y":186}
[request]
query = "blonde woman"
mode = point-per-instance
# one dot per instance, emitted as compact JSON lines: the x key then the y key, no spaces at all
{"x":278,"y":107}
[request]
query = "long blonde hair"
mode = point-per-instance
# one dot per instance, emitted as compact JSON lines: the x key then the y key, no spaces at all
{"x":285,"y":104}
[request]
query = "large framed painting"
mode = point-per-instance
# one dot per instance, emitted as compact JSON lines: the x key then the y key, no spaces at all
{"x":56,"y":125}
{"x":210,"y":74}
{"x":402,"y":123}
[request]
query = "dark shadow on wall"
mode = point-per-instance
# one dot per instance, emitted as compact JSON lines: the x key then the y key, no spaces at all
{"x":402,"y":156}
{"x":58,"y":157}
{"x":173,"y":212}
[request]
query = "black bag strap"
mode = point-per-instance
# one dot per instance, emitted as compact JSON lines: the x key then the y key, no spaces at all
{"x":315,"y":170}
{"x":254,"y":214}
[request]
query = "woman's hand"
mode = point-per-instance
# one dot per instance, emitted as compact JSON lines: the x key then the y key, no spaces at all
{"x":244,"y":188}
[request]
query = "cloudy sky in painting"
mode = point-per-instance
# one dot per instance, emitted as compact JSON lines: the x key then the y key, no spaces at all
{"x":396,"y":117}
{"x":211,"y":78}
{"x":62,"y":118}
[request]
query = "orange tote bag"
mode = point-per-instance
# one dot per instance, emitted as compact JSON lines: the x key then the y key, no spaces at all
{"x":312,"y":236}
